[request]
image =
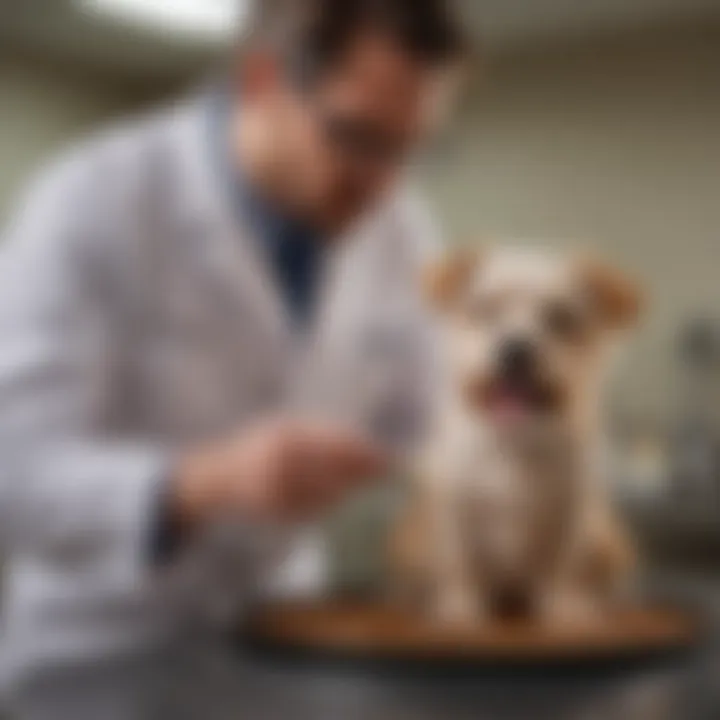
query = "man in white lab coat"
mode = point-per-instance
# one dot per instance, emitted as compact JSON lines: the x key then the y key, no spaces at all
{"x":210,"y":333}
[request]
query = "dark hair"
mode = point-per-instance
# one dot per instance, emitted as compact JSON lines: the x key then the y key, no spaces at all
{"x":312,"y":34}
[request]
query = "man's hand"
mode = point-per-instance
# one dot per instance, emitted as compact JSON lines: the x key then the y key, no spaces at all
{"x":276,"y":472}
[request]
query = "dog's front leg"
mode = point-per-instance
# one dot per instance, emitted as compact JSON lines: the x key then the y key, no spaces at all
{"x":592,"y":575}
{"x":565,"y":603}
{"x":456,"y":598}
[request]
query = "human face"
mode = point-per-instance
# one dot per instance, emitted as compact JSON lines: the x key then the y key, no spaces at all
{"x":345,"y":139}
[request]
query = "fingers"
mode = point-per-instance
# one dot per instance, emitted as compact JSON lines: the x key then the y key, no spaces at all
{"x":355,"y":458}
{"x":345,"y":457}
{"x":326,"y":465}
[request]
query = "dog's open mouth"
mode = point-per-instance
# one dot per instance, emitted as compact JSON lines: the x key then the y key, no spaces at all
{"x":510,"y":401}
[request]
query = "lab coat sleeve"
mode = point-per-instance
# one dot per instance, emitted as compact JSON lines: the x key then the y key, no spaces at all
{"x":68,"y":491}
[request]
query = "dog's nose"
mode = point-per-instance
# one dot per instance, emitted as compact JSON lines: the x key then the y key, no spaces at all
{"x":518,"y":357}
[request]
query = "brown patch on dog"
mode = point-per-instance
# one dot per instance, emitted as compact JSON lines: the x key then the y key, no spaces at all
{"x":618,"y":298}
{"x":409,"y":554}
{"x":609,"y":559}
{"x":444,"y":280}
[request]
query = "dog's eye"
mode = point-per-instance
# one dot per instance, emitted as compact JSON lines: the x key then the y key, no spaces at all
{"x":564,"y":321}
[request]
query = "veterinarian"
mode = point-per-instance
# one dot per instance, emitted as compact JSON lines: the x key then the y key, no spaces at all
{"x":210,"y":334}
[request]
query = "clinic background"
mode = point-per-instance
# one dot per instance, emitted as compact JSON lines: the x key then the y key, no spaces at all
{"x":593,"y":123}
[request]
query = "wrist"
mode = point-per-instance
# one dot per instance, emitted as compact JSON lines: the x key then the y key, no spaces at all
{"x":197,"y":489}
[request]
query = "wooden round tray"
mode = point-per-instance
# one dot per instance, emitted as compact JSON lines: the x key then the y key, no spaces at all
{"x":377,"y":635}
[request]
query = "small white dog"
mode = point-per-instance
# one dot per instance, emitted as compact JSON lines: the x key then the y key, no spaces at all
{"x":510,"y":515}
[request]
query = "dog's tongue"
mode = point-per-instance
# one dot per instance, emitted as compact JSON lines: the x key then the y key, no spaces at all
{"x":509,"y":406}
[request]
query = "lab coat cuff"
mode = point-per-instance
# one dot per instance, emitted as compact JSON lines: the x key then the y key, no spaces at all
{"x":146,"y":480}
{"x":166,"y":536}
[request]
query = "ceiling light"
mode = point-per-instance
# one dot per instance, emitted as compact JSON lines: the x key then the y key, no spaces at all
{"x":202,"y":19}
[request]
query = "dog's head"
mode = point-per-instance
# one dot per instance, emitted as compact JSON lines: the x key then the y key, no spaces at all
{"x":528,"y":331}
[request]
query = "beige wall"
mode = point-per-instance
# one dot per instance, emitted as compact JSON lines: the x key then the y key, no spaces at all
{"x":616,"y":144}
{"x":42,"y":106}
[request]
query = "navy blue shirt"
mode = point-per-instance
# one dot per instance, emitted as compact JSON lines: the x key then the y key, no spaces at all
{"x":293,"y":251}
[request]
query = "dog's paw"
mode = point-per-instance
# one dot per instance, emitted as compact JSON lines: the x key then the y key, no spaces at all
{"x":609,"y":561}
{"x":457,"y":608}
{"x":571,"y":609}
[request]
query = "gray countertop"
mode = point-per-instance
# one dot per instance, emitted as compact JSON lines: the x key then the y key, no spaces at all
{"x":272,"y":689}
{"x":688,"y":689}
{"x":685,"y":692}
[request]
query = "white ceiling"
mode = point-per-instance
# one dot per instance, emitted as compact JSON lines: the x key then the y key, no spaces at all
{"x":58,"y":27}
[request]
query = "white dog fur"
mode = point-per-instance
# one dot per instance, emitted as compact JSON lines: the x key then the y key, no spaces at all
{"x":510,"y":513}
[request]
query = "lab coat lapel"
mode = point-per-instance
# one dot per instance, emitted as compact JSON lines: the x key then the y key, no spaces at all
{"x":231,"y":252}
{"x":324,"y":383}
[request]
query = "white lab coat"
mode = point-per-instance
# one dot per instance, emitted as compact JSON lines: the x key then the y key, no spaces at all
{"x":136,"y":317}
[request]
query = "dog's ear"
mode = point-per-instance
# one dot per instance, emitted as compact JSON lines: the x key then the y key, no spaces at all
{"x":445,"y":279}
{"x":618,"y":298}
